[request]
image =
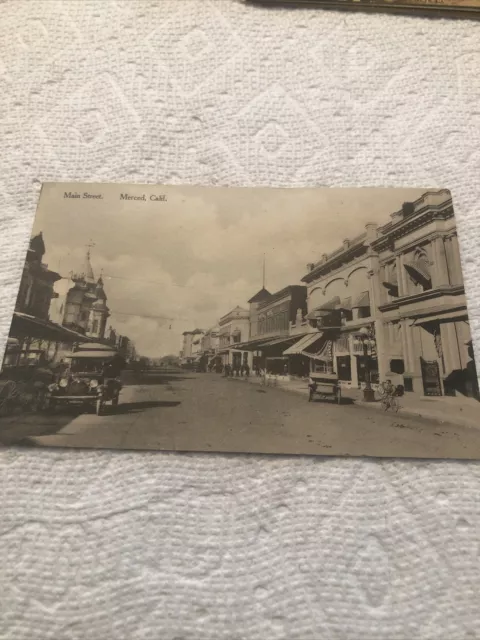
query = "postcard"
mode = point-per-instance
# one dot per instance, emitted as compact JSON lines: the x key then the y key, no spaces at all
{"x":270,"y":321}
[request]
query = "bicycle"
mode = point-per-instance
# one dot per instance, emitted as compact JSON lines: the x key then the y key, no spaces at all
{"x":389,"y":401}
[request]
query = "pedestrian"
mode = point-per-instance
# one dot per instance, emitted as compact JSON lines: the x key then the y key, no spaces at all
{"x":247,"y":371}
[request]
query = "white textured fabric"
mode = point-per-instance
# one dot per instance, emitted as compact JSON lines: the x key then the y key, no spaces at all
{"x":104,"y":545}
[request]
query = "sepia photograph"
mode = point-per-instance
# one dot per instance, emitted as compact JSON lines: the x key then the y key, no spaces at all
{"x":270,"y":321}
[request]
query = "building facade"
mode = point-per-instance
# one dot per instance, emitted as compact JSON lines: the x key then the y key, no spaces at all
{"x":426,"y":332}
{"x":343,"y":300}
{"x":391,"y":302}
{"x":191,"y":347}
{"x":34,"y":333}
{"x":37,"y":284}
{"x":209,"y":347}
{"x":81,"y":303}
{"x":234,"y":329}
{"x":275,"y":317}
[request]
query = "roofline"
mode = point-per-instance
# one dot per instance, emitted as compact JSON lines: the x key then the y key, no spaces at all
{"x":282,"y":293}
{"x":383,"y":230}
{"x":318,"y":267}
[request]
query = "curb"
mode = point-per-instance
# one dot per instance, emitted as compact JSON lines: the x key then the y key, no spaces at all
{"x":468,"y":424}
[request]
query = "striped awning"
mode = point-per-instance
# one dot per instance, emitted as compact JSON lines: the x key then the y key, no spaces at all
{"x":363,"y":300}
{"x":304,"y":343}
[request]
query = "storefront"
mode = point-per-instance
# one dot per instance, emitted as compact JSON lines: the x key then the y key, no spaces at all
{"x":299,"y":353}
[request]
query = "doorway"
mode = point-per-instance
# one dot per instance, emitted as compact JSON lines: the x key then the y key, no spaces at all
{"x":431,"y":377}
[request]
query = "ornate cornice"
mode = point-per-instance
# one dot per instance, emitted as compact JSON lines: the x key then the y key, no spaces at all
{"x":395,"y":230}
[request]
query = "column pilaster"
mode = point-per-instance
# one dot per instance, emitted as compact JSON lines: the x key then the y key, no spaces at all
{"x":440,"y":268}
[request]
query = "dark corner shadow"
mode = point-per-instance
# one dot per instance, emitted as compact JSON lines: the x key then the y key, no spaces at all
{"x":32,"y":425}
{"x":137,"y":407}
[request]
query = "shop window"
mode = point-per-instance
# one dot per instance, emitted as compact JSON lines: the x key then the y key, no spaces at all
{"x":344,"y":368}
{"x":397,"y":366}
{"x":320,"y":366}
{"x":362,"y":362}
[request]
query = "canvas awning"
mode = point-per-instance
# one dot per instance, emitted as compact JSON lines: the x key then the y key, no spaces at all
{"x":362,"y":300}
{"x":302,"y":344}
{"x":345,"y":304}
{"x":29,"y":326}
{"x":331,"y":305}
{"x":95,"y":346}
{"x":88,"y":355}
{"x":418,"y":269}
{"x":319,"y":356}
{"x":277,"y":341}
{"x":324,"y":309}
{"x":256,"y":343}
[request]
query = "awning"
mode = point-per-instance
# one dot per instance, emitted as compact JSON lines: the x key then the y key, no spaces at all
{"x":345,"y":304}
{"x":24,"y":324}
{"x":256,"y":343}
{"x":363,"y":300}
{"x":392,"y":287}
{"x":101,"y":355}
{"x":460,"y":314}
{"x":324,"y":309}
{"x":314,"y":356}
{"x":303,"y":343}
{"x":95,"y":346}
{"x":418,"y":268}
{"x":276,"y":341}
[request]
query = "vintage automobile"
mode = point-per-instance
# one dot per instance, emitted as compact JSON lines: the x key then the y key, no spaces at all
{"x":323,"y":383}
{"x":90,"y":380}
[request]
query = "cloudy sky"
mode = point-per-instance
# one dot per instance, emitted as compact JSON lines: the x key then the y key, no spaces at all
{"x":174,"y":265}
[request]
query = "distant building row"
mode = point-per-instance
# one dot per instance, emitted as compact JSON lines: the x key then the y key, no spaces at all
{"x":396,"y":289}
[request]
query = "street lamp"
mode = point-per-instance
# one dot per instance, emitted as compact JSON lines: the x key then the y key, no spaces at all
{"x":368,"y":393}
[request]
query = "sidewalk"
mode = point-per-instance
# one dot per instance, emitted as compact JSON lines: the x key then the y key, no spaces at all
{"x":461,"y":411}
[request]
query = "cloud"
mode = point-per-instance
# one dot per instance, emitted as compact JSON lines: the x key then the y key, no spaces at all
{"x":185,"y":263}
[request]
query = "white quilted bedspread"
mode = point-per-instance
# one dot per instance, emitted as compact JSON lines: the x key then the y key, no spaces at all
{"x":101,"y":545}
